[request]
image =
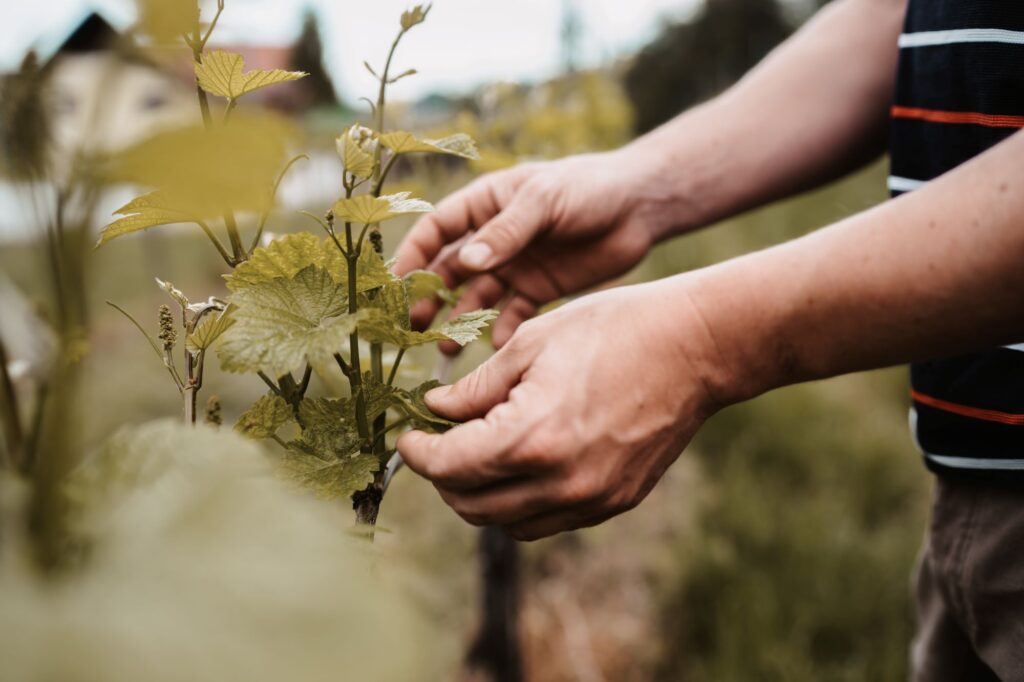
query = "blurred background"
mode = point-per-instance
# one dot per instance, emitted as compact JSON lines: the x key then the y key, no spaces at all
{"x":780,"y":545}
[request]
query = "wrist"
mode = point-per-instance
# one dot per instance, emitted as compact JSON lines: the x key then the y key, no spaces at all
{"x":677,"y":174}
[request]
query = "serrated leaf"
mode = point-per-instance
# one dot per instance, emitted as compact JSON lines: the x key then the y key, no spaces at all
{"x":412,"y":403}
{"x":173,"y":292}
{"x":414,"y":16}
{"x":167,"y":20}
{"x":329,"y":427}
{"x":367,"y":209}
{"x":221,"y":74}
{"x":210,"y":329}
{"x":459,"y":144}
{"x":357,"y":160}
{"x":329,"y":478}
{"x":424,"y":284}
{"x":379,"y":327}
{"x":149,"y":210}
{"x":282,"y":323}
{"x":286,"y":256}
{"x":264,"y":417}
{"x":203,"y":173}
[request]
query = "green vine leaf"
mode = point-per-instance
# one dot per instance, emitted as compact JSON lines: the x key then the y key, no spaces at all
{"x":424,"y":284}
{"x":221,"y":74}
{"x":459,"y":144}
{"x":149,"y":210}
{"x":356,"y":147}
{"x":367,"y":209}
{"x":286,"y":256}
{"x":210,"y":329}
{"x":331,"y":477}
{"x":285,"y":322}
{"x":379,"y":327}
{"x":166,"y":20}
{"x":203,"y":173}
{"x":329,"y":427}
{"x":415,"y":407}
{"x":264,"y":417}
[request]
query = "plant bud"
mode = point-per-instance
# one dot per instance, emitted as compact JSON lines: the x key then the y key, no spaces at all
{"x":168,"y":335}
{"x":213,"y":415}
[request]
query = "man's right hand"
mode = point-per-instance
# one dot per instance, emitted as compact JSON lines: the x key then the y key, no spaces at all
{"x":532,"y":234}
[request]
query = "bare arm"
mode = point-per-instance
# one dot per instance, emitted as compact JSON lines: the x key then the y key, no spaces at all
{"x":576,"y":419}
{"x":814,"y":109}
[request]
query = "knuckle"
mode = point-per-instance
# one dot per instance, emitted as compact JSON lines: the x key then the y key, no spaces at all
{"x":579,"y":489}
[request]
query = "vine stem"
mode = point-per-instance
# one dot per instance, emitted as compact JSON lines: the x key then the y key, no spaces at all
{"x":13,"y":433}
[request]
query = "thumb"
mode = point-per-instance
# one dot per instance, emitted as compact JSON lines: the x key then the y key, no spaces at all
{"x":507,"y":233}
{"x":488,"y":385}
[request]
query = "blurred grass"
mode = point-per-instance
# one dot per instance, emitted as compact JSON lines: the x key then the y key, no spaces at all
{"x":800,"y":567}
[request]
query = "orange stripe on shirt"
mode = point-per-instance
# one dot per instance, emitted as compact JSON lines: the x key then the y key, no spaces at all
{"x":968,"y":117}
{"x":968,"y":411}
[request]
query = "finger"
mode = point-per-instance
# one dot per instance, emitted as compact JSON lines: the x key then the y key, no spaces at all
{"x":546,"y":525}
{"x":485,"y":291}
{"x":507,"y":233}
{"x":519,"y":309}
{"x":469,"y":456}
{"x":456,"y":215}
{"x":482,"y":389}
{"x":506,"y":503}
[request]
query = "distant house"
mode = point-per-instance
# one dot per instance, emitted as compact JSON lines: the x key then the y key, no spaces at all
{"x":103,"y":98}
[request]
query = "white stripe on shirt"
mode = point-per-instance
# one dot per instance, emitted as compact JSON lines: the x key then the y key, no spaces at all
{"x":898,"y":184}
{"x":962,"y":35}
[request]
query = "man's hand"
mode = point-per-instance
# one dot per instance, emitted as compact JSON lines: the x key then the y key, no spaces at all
{"x":577,"y":417}
{"x":539,"y":232}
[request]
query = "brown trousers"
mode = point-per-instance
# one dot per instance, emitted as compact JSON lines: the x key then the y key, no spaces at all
{"x":970,"y":586}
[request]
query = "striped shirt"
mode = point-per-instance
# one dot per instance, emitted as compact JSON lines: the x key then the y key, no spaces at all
{"x":959,"y":91}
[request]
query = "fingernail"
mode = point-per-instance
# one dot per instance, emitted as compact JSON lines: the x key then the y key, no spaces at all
{"x":437,"y":394}
{"x":475,"y":255}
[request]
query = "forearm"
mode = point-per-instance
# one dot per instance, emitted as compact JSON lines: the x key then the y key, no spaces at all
{"x":936,"y":272}
{"x":813,"y":110}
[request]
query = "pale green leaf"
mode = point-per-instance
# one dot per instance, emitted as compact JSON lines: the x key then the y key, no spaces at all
{"x":356,"y":149}
{"x":264,"y":417}
{"x":459,"y":144}
{"x":367,"y":209}
{"x":329,"y":478}
{"x":412,"y":403}
{"x":414,"y":16}
{"x":149,"y":210}
{"x":328,"y":427}
{"x":167,"y":20}
{"x":204,"y":173}
{"x":285,"y":322}
{"x":173,"y":292}
{"x":286,"y":256}
{"x":211,"y":328}
{"x":379,"y":327}
{"x":221,"y":74}
{"x":424,"y":284}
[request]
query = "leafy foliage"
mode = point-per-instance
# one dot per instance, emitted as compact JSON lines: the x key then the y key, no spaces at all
{"x":367,"y":209}
{"x":301,"y":303}
{"x":149,"y":210}
{"x":222,"y":74}
{"x":282,"y":323}
{"x":381,"y":328}
{"x":458,"y":144}
{"x":329,"y":478}
{"x":209,"y":330}
{"x":264,"y":417}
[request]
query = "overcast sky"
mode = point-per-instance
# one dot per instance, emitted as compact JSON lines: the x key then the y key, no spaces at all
{"x":463,"y":43}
